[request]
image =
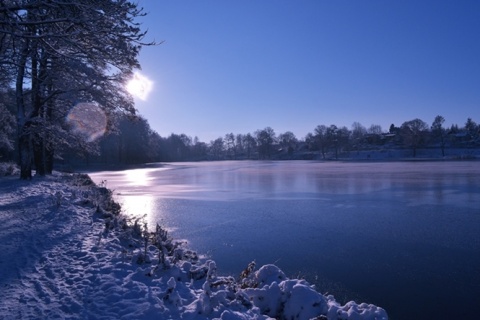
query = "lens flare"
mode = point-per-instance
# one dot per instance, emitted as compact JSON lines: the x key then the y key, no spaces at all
{"x":87,"y":119}
{"x":139,"y":86}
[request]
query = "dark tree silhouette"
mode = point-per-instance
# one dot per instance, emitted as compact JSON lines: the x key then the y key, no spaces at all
{"x":321,"y":140}
{"x":414,"y":134}
{"x":439,"y":134}
{"x":265,"y":141}
{"x":288,"y":142}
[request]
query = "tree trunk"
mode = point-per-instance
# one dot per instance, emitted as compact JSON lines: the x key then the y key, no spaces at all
{"x":49,"y":149}
{"x":49,"y":160}
{"x":25,"y":149}
{"x":41,"y":139}
{"x":442,"y":144}
{"x":24,"y":135}
{"x":43,"y":157}
{"x":38,"y":157}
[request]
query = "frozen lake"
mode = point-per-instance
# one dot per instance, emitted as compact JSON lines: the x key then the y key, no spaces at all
{"x":401,"y":235}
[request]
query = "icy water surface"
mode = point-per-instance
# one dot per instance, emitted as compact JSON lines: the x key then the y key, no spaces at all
{"x":404,"y":236}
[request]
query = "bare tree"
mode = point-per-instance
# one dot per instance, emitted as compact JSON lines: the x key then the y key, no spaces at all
{"x":265,"y":140}
{"x":216,"y":148}
{"x":250,"y":145}
{"x":337,"y":138}
{"x":375,"y":129}
{"x":288,"y":141}
{"x":439,"y":133}
{"x":7,"y":128}
{"x":310,"y":141}
{"x":239,"y":144}
{"x":320,"y":136}
{"x":374,"y":133}
{"x":332,"y":138}
{"x":414,"y":133}
{"x":358,"y":134}
{"x":230,"y":146}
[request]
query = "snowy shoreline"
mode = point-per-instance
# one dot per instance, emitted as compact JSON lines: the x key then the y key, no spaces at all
{"x":66,"y":252}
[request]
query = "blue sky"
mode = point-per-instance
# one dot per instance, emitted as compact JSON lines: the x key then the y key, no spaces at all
{"x":238,"y":66}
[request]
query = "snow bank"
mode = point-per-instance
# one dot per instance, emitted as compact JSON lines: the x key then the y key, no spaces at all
{"x":66,"y":252}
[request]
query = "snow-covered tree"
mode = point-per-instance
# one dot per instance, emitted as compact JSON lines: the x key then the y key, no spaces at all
{"x":64,"y":52}
{"x":7,"y":128}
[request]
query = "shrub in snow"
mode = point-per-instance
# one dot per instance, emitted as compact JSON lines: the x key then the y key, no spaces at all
{"x":57,"y":199}
{"x":281,"y":298}
{"x":354,"y":311}
{"x":171,"y":296}
{"x":8,"y":169}
{"x":302,"y":301}
{"x":268,"y":274}
{"x":277,"y":296}
{"x":246,"y":276}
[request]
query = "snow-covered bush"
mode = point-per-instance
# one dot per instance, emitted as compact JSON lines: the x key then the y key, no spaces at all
{"x":8,"y":169}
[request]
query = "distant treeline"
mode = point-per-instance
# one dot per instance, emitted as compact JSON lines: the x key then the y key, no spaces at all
{"x":130,"y":140}
{"x":134,"y":142}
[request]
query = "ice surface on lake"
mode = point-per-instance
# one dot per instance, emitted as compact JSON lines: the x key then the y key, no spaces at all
{"x":356,"y":230}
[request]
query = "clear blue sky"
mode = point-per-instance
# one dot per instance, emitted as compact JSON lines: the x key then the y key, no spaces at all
{"x":238,"y":66}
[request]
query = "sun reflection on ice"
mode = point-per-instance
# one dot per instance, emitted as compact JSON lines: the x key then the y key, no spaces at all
{"x":138,"y":206}
{"x":138,"y":177}
{"x":146,"y":207}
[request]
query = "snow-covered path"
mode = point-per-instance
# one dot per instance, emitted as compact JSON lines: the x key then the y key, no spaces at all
{"x":48,"y":248}
{"x":58,"y":260}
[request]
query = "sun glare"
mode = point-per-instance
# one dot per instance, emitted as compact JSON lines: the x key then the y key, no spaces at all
{"x":138,"y":177}
{"x":139,"y":86}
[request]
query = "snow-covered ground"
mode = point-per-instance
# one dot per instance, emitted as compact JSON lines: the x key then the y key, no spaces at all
{"x":66,"y":254}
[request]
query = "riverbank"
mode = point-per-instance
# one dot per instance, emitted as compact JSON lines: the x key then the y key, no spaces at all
{"x":66,"y":252}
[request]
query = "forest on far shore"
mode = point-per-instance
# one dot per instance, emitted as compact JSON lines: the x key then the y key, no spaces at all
{"x":130,"y":141}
